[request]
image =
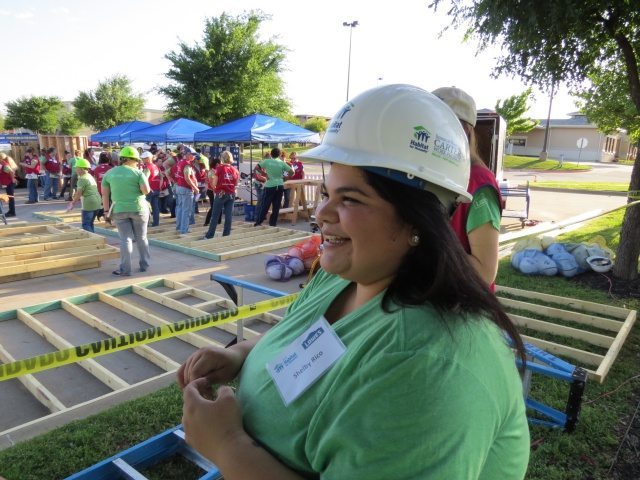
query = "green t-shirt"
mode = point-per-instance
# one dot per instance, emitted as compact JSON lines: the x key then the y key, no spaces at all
{"x":91,"y":199}
{"x":275,"y":168}
{"x":124,"y":184}
{"x":415,"y":396}
{"x":72,"y":164}
{"x":484,"y":209}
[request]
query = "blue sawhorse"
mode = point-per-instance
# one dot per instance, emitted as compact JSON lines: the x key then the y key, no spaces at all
{"x":126,"y":463}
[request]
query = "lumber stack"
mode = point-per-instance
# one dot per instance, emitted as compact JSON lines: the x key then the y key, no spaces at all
{"x":245,"y":239}
{"x":42,"y":249}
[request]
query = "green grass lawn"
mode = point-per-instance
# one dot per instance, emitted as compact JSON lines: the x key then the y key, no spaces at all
{"x":514,"y":162}
{"x":586,"y":453}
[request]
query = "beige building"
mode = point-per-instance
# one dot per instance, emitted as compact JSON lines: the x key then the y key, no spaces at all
{"x":572,"y":139}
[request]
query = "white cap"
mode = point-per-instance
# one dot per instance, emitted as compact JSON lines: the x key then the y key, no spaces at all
{"x":146,"y":154}
{"x":460,"y":102}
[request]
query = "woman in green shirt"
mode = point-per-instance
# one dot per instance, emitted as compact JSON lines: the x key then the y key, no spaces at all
{"x":393,"y":363}
{"x":87,"y":191}
{"x":127,"y":186}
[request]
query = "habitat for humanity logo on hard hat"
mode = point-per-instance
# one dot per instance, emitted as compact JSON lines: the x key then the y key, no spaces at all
{"x":420,"y":138}
{"x":335,"y":125}
{"x":446,"y":150}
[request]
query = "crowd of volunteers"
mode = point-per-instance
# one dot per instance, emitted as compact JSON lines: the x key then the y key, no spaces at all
{"x":132,"y":186}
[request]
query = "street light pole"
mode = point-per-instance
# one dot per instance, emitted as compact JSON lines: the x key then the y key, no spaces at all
{"x":351,"y":25}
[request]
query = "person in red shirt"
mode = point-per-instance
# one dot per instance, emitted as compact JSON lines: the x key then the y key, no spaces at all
{"x":8,"y":180}
{"x":104,"y":165}
{"x":31,"y":165}
{"x":186,"y":188}
{"x":52,"y":180}
{"x":152,"y":173}
{"x":224,"y":189}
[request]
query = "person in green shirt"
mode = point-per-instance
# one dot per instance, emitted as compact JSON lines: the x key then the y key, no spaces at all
{"x":77,"y":155}
{"x":273,"y":187}
{"x":394,"y":362}
{"x":127,"y":186}
{"x":87,"y":191}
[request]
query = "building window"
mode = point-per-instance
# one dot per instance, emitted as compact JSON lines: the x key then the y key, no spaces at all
{"x":518,"y":142}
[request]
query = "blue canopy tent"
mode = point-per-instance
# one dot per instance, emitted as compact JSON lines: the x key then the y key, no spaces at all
{"x":258,"y":128}
{"x":119,"y":133}
{"x":179,"y":130}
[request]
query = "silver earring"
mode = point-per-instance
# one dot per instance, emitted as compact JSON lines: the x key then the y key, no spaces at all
{"x":414,"y":241}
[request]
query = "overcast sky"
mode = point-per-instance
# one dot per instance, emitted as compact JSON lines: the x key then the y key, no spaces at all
{"x":62,"y":47}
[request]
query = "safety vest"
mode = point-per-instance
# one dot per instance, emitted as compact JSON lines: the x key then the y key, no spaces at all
{"x":480,"y":177}
{"x":227,"y":179}
{"x":5,"y":178}
{"x":179,"y":175}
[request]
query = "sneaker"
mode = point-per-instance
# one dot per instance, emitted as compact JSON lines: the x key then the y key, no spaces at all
{"x":10,"y":214}
{"x":29,"y":202}
{"x":142,"y":269}
{"x":121,"y":273}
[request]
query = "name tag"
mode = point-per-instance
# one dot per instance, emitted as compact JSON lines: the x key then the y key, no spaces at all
{"x":305,"y":360}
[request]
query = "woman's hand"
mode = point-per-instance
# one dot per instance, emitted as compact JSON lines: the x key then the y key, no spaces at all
{"x":215,"y":364}
{"x":211,"y":426}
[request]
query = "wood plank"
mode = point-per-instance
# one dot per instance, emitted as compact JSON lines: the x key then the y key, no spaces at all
{"x":581,"y":305}
{"x":83,"y":249}
{"x":192,"y":338}
{"x":596,"y":339}
{"x":35,"y":387}
{"x":191,"y":311}
{"x":552,"y":312}
{"x":101,"y":373}
{"x":145,"y":351}
{"x":45,"y":273}
{"x":583,"y":356}
{"x":612,"y":354}
{"x":52,"y":263}
{"x":49,"y":246}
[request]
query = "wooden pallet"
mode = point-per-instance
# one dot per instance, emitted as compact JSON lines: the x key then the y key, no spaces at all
{"x":602,"y":328}
{"x":154,"y":303}
{"x":43,"y":249}
{"x":245,"y":239}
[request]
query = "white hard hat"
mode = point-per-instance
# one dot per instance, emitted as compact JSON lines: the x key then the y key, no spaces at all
{"x":403,"y":132}
{"x":600,"y":264}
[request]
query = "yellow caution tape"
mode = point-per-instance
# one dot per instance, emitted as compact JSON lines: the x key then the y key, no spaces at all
{"x":47,"y":361}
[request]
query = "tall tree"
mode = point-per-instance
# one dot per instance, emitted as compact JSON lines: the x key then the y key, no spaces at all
{"x":231,"y":74}
{"x":513,"y":110}
{"x":607,"y":103}
{"x":39,"y":114}
{"x":113,"y":102}
{"x":68,"y":123}
{"x":316,"y":124}
{"x":548,"y":41}
{"x":1,"y":122}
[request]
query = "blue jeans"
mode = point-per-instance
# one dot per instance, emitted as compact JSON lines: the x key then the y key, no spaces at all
{"x":46,"y":186}
{"x":32,"y":186}
{"x":55,"y":183}
{"x":287,"y":196}
{"x":272,"y":197}
{"x":12,"y":201}
{"x":154,"y":199}
{"x":88,"y":217}
{"x":184,"y":208}
{"x":132,"y":225}
{"x":222,"y":201}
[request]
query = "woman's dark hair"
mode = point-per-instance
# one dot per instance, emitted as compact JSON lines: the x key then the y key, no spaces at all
{"x":104,"y":157}
{"x":438,"y":270}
